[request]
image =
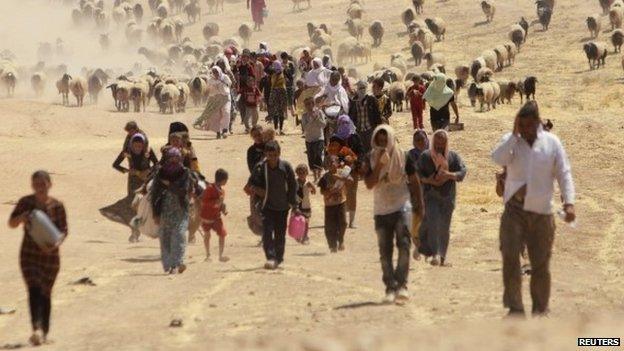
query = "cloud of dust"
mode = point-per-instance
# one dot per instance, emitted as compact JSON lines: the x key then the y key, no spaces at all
{"x":24,"y":24}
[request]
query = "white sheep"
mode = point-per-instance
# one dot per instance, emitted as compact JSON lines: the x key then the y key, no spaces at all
{"x":426,"y":38}
{"x":355,"y":26}
{"x":502,"y":56}
{"x":138,"y":94}
{"x":355,"y":11}
{"x":398,"y":61}
{"x":434,"y":58}
{"x":320,"y":38}
{"x":169,"y":96}
{"x":362,"y":51}
{"x":488,"y":93}
{"x":346,"y":50}
{"x":490,"y":59}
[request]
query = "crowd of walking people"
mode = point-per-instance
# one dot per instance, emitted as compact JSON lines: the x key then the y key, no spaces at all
{"x":348,"y":138}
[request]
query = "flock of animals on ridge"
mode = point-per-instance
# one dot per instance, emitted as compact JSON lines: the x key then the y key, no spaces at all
{"x":179,"y":68}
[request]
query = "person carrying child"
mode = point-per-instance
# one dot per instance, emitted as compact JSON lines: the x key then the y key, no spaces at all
{"x":304,"y":190}
{"x":314,"y":123}
{"x":333,"y":188}
{"x":213,"y":206}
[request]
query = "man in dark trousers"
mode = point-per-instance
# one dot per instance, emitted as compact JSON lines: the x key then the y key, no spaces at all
{"x":365,"y":114}
{"x":533,"y":159}
{"x":274,"y":181}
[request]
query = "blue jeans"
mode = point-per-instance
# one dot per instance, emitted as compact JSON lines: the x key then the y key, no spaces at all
{"x":391,"y":228}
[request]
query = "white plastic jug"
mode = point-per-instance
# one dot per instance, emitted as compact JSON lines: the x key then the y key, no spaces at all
{"x":43,"y":231}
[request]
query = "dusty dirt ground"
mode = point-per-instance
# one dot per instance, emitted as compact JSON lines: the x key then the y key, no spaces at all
{"x":239,"y":305}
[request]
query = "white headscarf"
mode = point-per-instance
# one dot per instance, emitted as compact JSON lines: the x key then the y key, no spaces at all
{"x":394,"y":170}
{"x":336,"y":95}
{"x":317,"y":76}
{"x":223,"y":78}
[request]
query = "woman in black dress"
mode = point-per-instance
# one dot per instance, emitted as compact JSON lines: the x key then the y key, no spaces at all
{"x":439,"y":96}
{"x":39,"y":265}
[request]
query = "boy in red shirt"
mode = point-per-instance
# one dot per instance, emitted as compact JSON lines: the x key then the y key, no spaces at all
{"x":213,"y":206}
{"x":417,"y":104}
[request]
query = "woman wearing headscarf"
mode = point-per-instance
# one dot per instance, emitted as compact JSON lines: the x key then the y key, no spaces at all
{"x":439,"y":96}
{"x":315,"y":80}
{"x":257,"y":12}
{"x":440,"y":169}
{"x":346,"y":136}
{"x":39,"y":265}
{"x":170,"y":196}
{"x":179,"y":137}
{"x":327,"y":63}
{"x":277,"y":100}
{"x":420,"y":142}
{"x":224,"y":63}
{"x":140,"y":158}
{"x":305,"y":62}
{"x":386,"y":172}
{"x":219,"y":121}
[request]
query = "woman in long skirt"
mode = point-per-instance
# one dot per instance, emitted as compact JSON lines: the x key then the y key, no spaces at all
{"x":277,"y":99}
{"x":219,"y":121}
{"x":257,"y":9}
{"x":171,"y":203}
{"x":39,"y":266}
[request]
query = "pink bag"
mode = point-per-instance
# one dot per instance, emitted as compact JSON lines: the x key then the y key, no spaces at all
{"x":297,"y":227}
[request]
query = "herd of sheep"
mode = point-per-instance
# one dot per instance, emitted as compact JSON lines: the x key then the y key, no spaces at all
{"x":183,"y":64}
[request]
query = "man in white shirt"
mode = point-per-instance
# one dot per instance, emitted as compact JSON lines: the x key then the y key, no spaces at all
{"x":533,"y":159}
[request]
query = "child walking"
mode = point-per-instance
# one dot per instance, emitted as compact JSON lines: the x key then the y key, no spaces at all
{"x":417,"y":103}
{"x":333,"y":188}
{"x":314,"y":123}
{"x":251,"y":98}
{"x":304,"y":190}
{"x":213,"y":206}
